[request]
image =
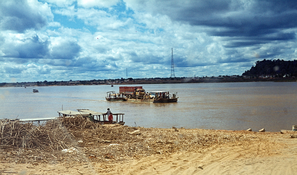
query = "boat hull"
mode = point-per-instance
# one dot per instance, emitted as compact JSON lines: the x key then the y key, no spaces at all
{"x":108,"y":122}
{"x":116,"y":99}
{"x":165,"y":100}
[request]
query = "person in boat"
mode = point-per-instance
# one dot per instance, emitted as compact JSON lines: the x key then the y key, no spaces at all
{"x":91,"y":117}
{"x":109,"y":114}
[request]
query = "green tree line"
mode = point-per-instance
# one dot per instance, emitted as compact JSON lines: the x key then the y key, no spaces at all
{"x":275,"y":68}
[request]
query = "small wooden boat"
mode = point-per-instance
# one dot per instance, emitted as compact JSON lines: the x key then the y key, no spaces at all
{"x":98,"y":117}
{"x":112,"y":96}
{"x":163,"y":97}
{"x":35,"y":91}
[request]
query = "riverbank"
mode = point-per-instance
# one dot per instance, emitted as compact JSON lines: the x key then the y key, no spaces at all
{"x":86,"y":148}
{"x":131,"y":81}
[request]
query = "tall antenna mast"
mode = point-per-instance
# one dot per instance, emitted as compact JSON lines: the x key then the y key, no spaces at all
{"x":172,"y":65}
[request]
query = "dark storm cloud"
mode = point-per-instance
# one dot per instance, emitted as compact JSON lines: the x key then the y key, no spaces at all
{"x":253,"y":40}
{"x":19,"y":16}
{"x":26,"y":48}
{"x":65,"y":50}
{"x":244,"y":43}
{"x":261,"y":19}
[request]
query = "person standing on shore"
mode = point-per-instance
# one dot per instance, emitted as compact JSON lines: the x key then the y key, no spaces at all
{"x":91,"y":117}
{"x":109,"y":114}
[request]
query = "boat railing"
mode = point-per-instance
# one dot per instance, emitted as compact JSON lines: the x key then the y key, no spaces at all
{"x":117,"y":117}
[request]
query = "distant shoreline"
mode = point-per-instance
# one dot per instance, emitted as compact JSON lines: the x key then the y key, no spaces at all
{"x":220,"y":79}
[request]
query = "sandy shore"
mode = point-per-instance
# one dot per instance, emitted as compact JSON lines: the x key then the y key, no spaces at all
{"x":116,"y":149}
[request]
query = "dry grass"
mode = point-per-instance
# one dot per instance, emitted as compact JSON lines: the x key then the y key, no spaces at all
{"x":28,"y":143}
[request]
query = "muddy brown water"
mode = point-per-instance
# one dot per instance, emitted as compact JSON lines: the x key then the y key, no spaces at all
{"x":231,"y":106}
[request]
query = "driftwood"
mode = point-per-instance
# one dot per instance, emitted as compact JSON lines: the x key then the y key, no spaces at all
{"x":51,"y":136}
{"x":78,"y":123}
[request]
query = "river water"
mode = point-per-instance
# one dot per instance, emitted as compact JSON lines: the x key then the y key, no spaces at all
{"x":231,"y":106}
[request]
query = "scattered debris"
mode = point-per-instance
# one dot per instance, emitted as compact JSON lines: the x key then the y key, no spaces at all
{"x":294,"y":127}
{"x":287,"y":131}
{"x":136,"y":132}
{"x":70,"y":150}
{"x":92,"y":156}
{"x":175,"y":129}
{"x":80,"y":141}
{"x":108,"y":156}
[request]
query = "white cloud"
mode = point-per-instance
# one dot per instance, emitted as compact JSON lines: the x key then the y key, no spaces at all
{"x":96,"y":3}
{"x":84,"y":37}
{"x":61,"y":3}
{"x":54,"y":24}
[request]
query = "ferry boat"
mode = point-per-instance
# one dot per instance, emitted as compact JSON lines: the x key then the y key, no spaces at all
{"x":163,"y":97}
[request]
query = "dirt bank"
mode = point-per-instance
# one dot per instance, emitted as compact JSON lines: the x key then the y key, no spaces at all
{"x":81,"y":147}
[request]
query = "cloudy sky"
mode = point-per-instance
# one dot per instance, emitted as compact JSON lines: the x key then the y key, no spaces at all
{"x":101,"y":39}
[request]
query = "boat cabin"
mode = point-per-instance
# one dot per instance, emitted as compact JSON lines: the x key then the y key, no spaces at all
{"x":163,"y":97}
{"x":113,"y":96}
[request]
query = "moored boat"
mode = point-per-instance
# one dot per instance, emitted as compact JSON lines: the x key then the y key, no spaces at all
{"x":97,"y":117}
{"x":35,"y":91}
{"x":163,"y":97}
